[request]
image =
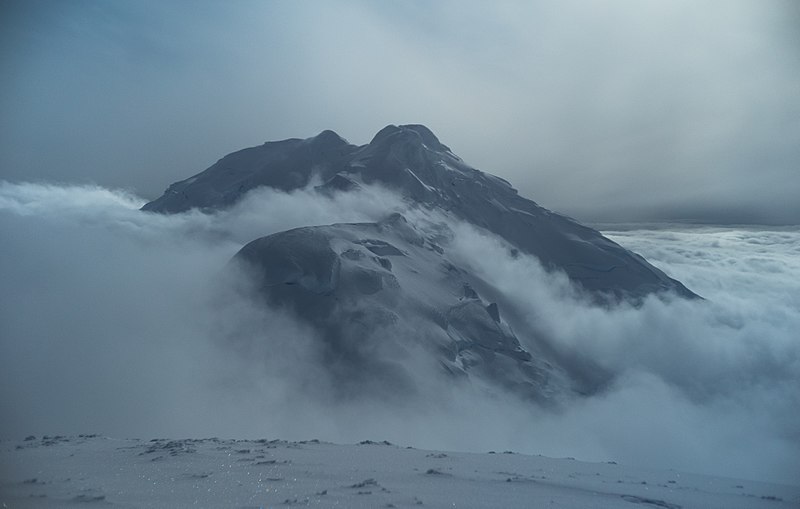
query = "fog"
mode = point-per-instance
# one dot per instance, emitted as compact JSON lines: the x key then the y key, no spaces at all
{"x":605,"y":110}
{"x":127,"y":323}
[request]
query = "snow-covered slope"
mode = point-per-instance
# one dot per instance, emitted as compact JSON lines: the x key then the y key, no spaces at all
{"x":95,"y":471}
{"x":376,"y":292}
{"x":412,"y":161}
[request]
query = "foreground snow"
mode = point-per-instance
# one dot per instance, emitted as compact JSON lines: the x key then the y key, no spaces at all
{"x":99,"y":471}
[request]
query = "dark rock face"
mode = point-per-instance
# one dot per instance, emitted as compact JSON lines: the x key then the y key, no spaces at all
{"x":411,"y":160}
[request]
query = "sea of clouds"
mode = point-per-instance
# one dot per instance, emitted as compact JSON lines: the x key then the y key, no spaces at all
{"x":111,"y":319}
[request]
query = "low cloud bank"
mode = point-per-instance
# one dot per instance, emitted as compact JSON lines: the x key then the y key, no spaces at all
{"x":112,"y":318}
{"x":711,"y":385}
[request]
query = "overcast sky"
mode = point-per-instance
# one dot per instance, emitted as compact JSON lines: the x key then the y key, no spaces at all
{"x":605,"y":110}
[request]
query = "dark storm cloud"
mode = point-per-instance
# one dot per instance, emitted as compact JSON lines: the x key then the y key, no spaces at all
{"x":112,"y":321}
{"x":610,"y":110}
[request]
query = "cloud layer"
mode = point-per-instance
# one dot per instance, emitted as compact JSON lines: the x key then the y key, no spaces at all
{"x":712,"y":384}
{"x":670,"y":110}
{"x":112,"y":318}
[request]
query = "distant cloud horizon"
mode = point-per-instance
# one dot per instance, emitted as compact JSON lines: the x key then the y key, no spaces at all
{"x":614,"y":110}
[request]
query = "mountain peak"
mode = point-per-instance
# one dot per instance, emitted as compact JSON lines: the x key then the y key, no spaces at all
{"x":416,"y":134}
{"x":327,"y":138}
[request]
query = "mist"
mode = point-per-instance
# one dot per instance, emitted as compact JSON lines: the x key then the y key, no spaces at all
{"x":670,"y":110}
{"x":128,"y":323}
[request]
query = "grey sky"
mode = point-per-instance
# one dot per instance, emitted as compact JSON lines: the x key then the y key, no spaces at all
{"x":606,"y":110}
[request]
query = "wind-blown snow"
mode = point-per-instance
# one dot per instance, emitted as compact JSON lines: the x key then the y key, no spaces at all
{"x":111,"y":318}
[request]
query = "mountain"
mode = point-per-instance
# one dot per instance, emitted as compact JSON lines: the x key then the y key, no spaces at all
{"x":377,"y":294}
{"x":374,"y":291}
{"x":411,"y":160}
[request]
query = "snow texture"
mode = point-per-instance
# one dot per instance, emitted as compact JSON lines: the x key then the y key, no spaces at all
{"x":94,"y":471}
